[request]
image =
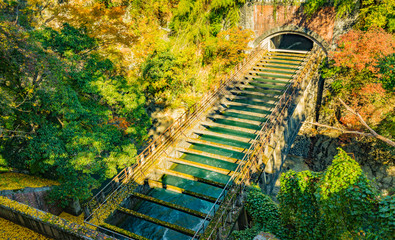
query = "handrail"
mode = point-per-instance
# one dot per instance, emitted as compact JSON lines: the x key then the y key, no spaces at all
{"x":147,"y":157}
{"x":237,"y":182}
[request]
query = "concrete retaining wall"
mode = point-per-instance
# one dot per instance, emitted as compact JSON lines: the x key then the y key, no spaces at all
{"x":34,"y":197}
{"x":45,"y":223}
{"x":303,"y":108}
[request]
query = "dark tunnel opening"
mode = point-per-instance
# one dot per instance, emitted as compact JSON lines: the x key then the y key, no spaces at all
{"x":292,"y":42}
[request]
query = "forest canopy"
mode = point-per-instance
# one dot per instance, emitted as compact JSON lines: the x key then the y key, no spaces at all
{"x":78,"y":80}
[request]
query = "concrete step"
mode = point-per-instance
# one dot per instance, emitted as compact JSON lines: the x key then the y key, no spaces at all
{"x":221,"y":135}
{"x":271,"y":74}
{"x":246,"y":112}
{"x":259,"y":95}
{"x":287,"y":55}
{"x":291,"y":59}
{"x":168,"y":204}
{"x":262,"y":105}
{"x":153,"y":183}
{"x":250,"y":89}
{"x":280,"y":62}
{"x":268,"y":85}
{"x":201,"y":165}
{"x":289,"y":52}
{"x":206,"y":154}
{"x":274,"y":93}
{"x":279,"y":65}
{"x":208,"y":124}
{"x":253,"y":122}
{"x":123,"y":231}
{"x":192,"y":178}
{"x":254,"y":98}
{"x":267,"y":80}
{"x":175,"y":227}
{"x":256,"y":102}
{"x":265,"y":90}
{"x":273,"y":69}
{"x":213,"y":144}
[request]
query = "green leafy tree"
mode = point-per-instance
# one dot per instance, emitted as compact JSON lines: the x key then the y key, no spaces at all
{"x":162,"y":78}
{"x":387,"y":72}
{"x":81,"y":116}
{"x":377,"y":14}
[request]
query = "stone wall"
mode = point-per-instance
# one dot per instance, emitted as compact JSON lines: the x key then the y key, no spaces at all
{"x":318,"y":147}
{"x":34,"y":197}
{"x":266,"y":19}
{"x":322,"y":23}
{"x":303,"y":109}
{"x":45,"y":223}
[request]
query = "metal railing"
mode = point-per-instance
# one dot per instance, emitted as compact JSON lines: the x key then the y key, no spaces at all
{"x":119,"y":187}
{"x":242,"y":175}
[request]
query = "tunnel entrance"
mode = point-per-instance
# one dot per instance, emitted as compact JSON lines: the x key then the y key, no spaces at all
{"x":291,"y":42}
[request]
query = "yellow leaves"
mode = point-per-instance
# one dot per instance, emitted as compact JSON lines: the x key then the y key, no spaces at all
{"x":10,"y":230}
{"x":13,"y":181}
{"x":77,"y":219}
{"x":105,"y":24}
{"x":71,"y":225}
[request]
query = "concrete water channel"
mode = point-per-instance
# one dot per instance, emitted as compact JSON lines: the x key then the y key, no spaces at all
{"x":178,"y":198}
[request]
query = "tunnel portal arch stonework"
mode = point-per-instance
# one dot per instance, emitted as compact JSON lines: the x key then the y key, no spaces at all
{"x":292,"y":29}
{"x":267,"y":20}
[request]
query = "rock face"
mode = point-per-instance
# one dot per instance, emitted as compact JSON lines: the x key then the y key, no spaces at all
{"x":318,"y":150}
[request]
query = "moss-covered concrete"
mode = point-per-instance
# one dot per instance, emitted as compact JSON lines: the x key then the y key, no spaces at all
{"x":123,"y":231}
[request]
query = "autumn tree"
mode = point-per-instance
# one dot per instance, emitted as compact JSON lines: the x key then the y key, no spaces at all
{"x":359,"y":50}
{"x":361,"y":70}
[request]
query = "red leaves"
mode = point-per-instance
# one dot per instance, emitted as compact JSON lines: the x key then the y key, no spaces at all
{"x":360,"y":50}
{"x":365,"y":102}
{"x":120,"y":122}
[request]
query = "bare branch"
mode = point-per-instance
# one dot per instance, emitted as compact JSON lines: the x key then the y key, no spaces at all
{"x":371,"y":134}
{"x":341,"y":130}
{"x":5,"y":133}
{"x":376,"y":135}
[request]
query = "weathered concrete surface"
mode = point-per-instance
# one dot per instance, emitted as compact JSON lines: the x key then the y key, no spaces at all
{"x":34,"y":197}
{"x":322,"y":23}
{"x":302,"y":110}
{"x":266,"y":20}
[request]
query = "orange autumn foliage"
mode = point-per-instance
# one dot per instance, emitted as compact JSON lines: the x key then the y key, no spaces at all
{"x":120,"y":122}
{"x":233,"y":43}
{"x":359,"y":49}
{"x":367,"y":102}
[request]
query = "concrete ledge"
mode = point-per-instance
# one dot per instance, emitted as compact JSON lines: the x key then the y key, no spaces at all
{"x":175,"y":227}
{"x":45,"y":223}
{"x":169,"y":205}
{"x":123,"y":231}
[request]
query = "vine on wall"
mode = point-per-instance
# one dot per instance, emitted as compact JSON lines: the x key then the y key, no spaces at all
{"x":339,"y":203}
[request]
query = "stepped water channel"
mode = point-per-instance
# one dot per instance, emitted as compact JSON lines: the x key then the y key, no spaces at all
{"x":177,"y":203}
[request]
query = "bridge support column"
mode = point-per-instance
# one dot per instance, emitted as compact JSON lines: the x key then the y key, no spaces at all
{"x":302,"y":108}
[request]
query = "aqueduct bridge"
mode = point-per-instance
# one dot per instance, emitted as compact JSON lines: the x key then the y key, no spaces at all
{"x":190,"y":182}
